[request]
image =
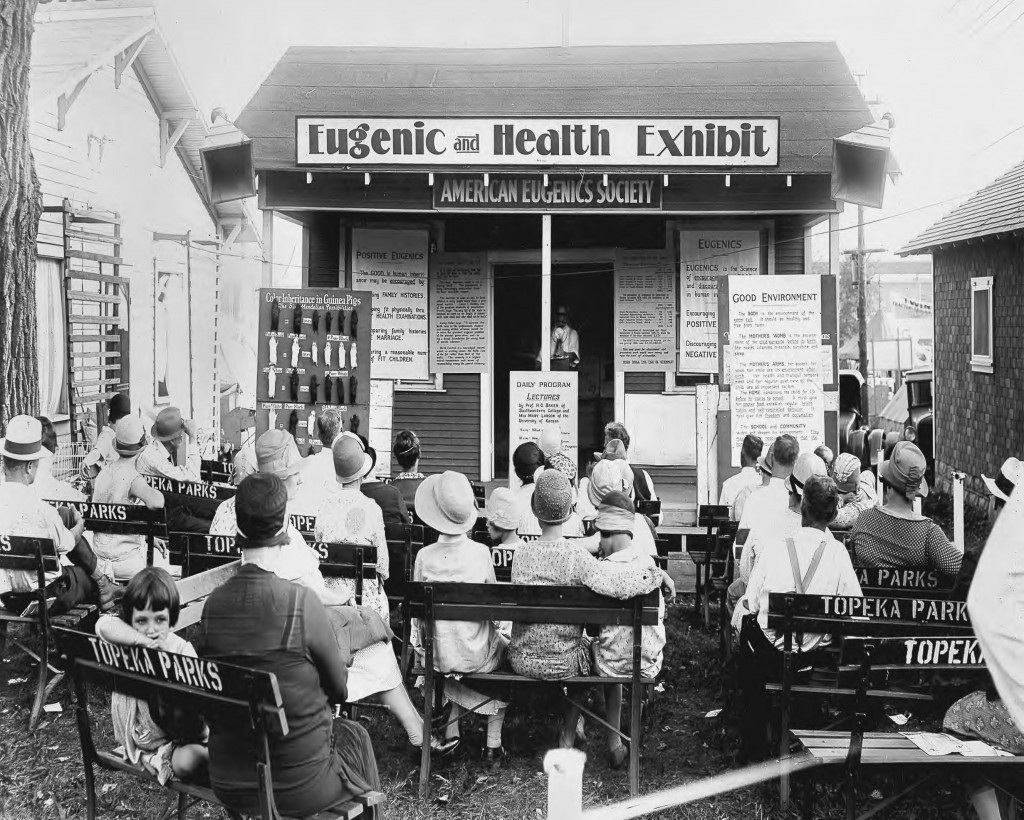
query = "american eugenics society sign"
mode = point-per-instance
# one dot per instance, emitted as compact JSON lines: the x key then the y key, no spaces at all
{"x":542,"y":141}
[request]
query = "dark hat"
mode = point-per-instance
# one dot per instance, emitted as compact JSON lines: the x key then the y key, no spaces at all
{"x":168,"y":425}
{"x":552,"y":498}
{"x":526,"y":459}
{"x":261,"y":511}
{"x":118,"y":407}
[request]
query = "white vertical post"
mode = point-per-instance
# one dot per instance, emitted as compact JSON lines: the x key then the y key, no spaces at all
{"x":564,"y":768}
{"x":267,"y":279}
{"x":833,"y":244}
{"x":958,"y":510}
{"x":880,"y":456}
{"x":545,"y":292}
{"x":917,"y":505}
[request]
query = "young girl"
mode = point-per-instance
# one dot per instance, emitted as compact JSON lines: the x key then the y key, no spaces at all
{"x":149,"y":609}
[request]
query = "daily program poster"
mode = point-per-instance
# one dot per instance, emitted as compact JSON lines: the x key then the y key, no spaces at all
{"x":537,"y":399}
{"x":314,"y":351}
{"x":778,"y":355}
{"x":392,"y":265}
{"x":704,"y":257}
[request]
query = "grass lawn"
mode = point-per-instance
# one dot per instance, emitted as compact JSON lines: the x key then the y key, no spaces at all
{"x":41,"y":773}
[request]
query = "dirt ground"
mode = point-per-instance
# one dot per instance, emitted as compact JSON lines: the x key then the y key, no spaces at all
{"x":41,"y":773}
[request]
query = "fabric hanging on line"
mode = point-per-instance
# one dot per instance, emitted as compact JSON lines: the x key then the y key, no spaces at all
{"x":52,"y":337}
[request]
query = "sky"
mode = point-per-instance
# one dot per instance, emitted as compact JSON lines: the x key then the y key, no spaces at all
{"x":948,"y":70}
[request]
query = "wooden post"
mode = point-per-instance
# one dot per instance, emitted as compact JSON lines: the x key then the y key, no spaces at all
{"x":879,"y":500}
{"x":958,"y":510}
{"x":564,"y":768}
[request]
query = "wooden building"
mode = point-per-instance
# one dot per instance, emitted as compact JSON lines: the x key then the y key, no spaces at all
{"x":128,"y":249}
{"x":728,"y":143}
{"x":978,"y":268}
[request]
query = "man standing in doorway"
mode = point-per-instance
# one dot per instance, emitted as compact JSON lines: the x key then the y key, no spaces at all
{"x":565,"y":341}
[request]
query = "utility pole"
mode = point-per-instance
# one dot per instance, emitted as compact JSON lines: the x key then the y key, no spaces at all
{"x":859,"y":259}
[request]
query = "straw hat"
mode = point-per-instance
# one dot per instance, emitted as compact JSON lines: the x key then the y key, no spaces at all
{"x":807,"y":464}
{"x":24,"y":441}
{"x":503,"y":509}
{"x":129,"y":436}
{"x":1010,"y":475}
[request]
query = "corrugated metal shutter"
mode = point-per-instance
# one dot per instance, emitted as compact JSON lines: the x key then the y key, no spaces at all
{"x":645,"y":383}
{"x":789,"y":247}
{"x":324,"y":242}
{"x":447,"y":423}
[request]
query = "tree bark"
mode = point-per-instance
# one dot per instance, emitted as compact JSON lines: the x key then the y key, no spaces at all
{"x":20,"y":208}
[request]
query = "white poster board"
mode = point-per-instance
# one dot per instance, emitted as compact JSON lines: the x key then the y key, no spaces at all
{"x":537,"y":399}
{"x":645,"y":311}
{"x":382,"y":407}
{"x":664,"y":428}
{"x":392,"y":265}
{"x":458,"y":313}
{"x":704,"y":256}
{"x":776,"y":368}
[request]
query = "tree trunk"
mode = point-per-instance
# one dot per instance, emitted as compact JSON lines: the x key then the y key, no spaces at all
{"x":20,"y":208}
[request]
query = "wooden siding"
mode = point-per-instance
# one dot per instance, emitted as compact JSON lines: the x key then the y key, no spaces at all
{"x":447,"y":423}
{"x":645,"y":383}
{"x":789,"y":247}
{"x":808,"y":85}
{"x":324,"y":247}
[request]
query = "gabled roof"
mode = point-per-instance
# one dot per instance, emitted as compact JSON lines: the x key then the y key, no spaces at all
{"x":807,"y":85}
{"x":995,"y":209}
{"x":70,"y":44}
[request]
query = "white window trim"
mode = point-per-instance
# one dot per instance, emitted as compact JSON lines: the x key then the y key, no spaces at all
{"x":983,"y":364}
{"x":434,"y":384}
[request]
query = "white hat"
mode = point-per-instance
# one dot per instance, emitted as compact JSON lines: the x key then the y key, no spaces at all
{"x":1010,"y":475}
{"x":24,"y":441}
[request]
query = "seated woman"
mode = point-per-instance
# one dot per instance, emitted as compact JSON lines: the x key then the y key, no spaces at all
{"x":527,"y":462}
{"x":557,"y":651}
{"x":811,"y":562}
{"x":162,"y":743}
{"x":407,"y":453}
{"x":503,"y":515}
{"x":893,"y":535}
{"x":259,"y":620}
{"x":120,"y":482}
{"x":446,"y":503}
{"x":613,"y":649}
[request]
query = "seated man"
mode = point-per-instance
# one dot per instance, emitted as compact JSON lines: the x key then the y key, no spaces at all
{"x":24,"y":513}
{"x":855,"y":496}
{"x":46,"y":484}
{"x":809,"y":562}
{"x":613,"y":649}
{"x":162,"y":456}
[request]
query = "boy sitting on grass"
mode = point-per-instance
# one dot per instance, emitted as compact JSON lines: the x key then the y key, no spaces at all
{"x":613,"y":649}
{"x":154,"y":735}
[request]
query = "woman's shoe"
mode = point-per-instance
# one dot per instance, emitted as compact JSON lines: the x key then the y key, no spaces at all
{"x":618,"y":757}
{"x":438,"y":747}
{"x":493,"y":758}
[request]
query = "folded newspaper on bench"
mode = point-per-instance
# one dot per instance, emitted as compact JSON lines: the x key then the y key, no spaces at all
{"x":939,"y":743}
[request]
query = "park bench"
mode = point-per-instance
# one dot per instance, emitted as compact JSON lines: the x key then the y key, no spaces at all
{"x":190,"y":505}
{"x":39,"y":556}
{"x":121,"y":519}
{"x":846,"y":618}
{"x":194,"y":590}
{"x":404,"y":543}
{"x":216,"y":472}
{"x":708,"y":552}
{"x":217,"y":691}
{"x":432,"y":602}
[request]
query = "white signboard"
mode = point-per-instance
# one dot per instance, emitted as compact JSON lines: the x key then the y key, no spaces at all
{"x":776,"y":363}
{"x":458,"y":320}
{"x":538,"y":399}
{"x":703,"y":257}
{"x":542,"y":141}
{"x":393,"y":266}
{"x":382,"y":407}
{"x":645,"y":311}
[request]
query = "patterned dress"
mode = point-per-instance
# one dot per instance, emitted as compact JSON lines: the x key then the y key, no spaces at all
{"x":881,"y":538}
{"x":977,"y":716}
{"x":556,"y":651}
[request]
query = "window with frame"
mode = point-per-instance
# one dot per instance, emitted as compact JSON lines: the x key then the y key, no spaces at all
{"x":433,"y":384}
{"x":981,"y":324}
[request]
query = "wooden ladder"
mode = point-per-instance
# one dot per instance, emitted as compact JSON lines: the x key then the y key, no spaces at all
{"x":95,"y":311}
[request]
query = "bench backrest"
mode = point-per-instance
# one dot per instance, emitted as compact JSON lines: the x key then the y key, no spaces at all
{"x":902,"y":582}
{"x":649,"y":507}
{"x":913,"y":651}
{"x":869,"y":615}
{"x":527,"y":603}
{"x":197,"y":552}
{"x":711,"y":515}
{"x":502,"y":558}
{"x":216,"y":472}
{"x":118,"y":519}
{"x":38,"y":555}
{"x":306,"y":524}
{"x":404,"y":543}
{"x":217,"y":691}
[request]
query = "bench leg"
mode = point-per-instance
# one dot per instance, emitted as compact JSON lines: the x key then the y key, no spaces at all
{"x":428,"y":715}
{"x":40,"y":698}
{"x":3,"y":636}
{"x":635,"y":734}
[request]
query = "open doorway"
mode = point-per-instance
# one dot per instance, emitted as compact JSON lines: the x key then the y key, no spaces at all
{"x":587,"y":292}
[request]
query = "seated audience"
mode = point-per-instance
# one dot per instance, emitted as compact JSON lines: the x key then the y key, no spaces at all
{"x":446,"y":503}
{"x":374,"y":670}
{"x":387,"y":497}
{"x":407,"y":453}
{"x":503,"y":515}
{"x":244,"y":463}
{"x":893,"y":535}
{"x":610,"y":476}
{"x":166,"y":744}
{"x":557,"y":651}
{"x":613,"y":648}
{"x":824,"y":452}
{"x":23,"y":513}
{"x":765,"y":462}
{"x":46,"y":484}
{"x":1002,"y":486}
{"x":318,"y":469}
{"x":767,"y":503}
{"x":527,"y":462}
{"x":162,"y":456}
{"x":747,"y":476}
{"x":855,"y":495}
{"x":259,"y":620}
{"x":102,"y":452}
{"x":643,"y":484}
{"x":551,"y":445}
{"x":809,"y":562}
{"x":120,"y":483}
